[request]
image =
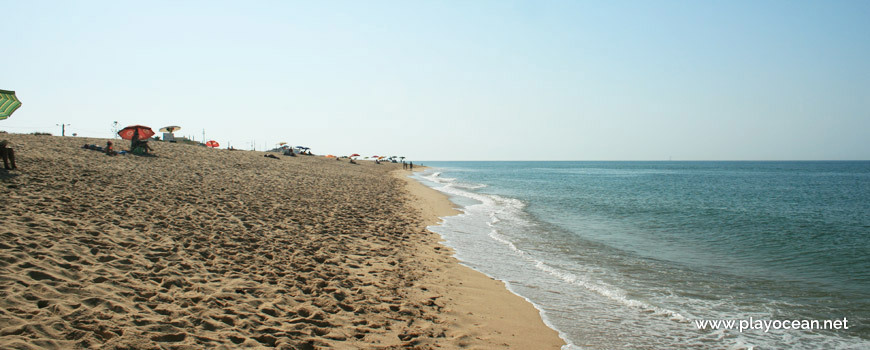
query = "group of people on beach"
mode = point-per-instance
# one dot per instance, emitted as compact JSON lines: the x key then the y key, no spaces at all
{"x":8,"y":154}
{"x":137,"y":146}
{"x":141,"y":147}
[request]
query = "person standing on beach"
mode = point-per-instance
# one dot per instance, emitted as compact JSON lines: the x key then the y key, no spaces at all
{"x":411,"y":165}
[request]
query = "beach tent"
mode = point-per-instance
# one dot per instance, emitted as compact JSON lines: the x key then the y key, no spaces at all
{"x":8,"y":103}
{"x":212,"y":144}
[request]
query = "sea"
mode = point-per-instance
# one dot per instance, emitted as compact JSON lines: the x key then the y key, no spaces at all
{"x":636,"y":255}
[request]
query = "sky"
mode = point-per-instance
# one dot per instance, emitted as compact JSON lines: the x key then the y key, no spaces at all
{"x":454,"y":80}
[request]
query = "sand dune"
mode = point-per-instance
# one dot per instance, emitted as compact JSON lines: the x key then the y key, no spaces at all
{"x":206,"y":248}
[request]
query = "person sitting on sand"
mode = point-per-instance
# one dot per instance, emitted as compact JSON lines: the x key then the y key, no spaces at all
{"x":289,"y":152}
{"x":138,"y":146}
{"x":8,"y":155}
{"x":109,"y":149}
{"x":351,"y":161}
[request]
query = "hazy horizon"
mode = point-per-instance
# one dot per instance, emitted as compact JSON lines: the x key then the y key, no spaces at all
{"x":483,"y":80}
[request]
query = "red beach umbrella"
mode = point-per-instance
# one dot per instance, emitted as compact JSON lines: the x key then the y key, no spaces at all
{"x":140,"y":131}
{"x":355,"y":155}
{"x":212,"y":144}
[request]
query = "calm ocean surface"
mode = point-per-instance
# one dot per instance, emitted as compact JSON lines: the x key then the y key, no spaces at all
{"x":630,"y":254}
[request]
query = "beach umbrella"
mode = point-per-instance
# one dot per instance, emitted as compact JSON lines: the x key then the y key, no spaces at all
{"x":212,"y":144}
{"x":170,"y":129}
{"x":355,"y":155}
{"x":301,"y":147}
{"x":282,"y":143}
{"x":330,"y":156}
{"x":8,"y":103}
{"x":140,"y":131}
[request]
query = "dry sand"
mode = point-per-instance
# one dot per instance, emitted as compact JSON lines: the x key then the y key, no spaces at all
{"x":200,"y":248}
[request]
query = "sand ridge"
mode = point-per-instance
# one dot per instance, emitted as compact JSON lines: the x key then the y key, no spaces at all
{"x":208,"y":248}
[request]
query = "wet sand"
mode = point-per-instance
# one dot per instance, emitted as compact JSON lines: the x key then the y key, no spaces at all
{"x":208,"y":248}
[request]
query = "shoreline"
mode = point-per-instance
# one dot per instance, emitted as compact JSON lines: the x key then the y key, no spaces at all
{"x":211,"y":248}
{"x":482,"y":311}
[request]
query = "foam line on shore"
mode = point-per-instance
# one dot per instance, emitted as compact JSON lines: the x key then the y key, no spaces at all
{"x":540,"y":333}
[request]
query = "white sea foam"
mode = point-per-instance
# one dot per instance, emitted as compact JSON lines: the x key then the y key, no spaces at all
{"x":494,"y":208}
{"x":495,"y":221}
{"x":608,"y":291}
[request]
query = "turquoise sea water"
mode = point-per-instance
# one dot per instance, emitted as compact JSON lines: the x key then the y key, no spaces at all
{"x":631,"y":254}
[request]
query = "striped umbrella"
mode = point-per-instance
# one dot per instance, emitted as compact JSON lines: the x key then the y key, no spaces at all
{"x":170,"y":129}
{"x":8,"y":103}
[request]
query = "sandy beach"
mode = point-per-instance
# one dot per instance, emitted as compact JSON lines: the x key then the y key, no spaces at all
{"x":209,"y":248}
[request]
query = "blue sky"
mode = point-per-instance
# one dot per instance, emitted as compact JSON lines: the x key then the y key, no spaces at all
{"x":455,"y":80}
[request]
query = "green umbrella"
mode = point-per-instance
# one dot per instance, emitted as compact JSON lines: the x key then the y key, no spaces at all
{"x":8,"y":103}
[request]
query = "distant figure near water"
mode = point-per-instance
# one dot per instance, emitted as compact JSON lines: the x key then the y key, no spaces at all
{"x":411,"y":165}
